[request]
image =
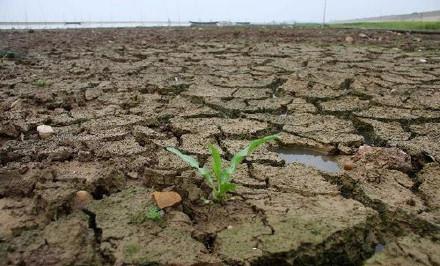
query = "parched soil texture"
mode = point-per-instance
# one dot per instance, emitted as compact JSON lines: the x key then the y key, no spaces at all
{"x":116,"y":98}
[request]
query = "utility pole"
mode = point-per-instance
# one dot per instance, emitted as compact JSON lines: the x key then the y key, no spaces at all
{"x":323,"y":15}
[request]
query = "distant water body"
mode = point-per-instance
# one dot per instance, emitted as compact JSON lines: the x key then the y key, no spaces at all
{"x":86,"y":25}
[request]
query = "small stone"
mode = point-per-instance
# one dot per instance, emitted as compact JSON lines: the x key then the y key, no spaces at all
{"x":194,"y":192}
{"x":178,"y":217}
{"x":343,"y":149}
{"x":166,"y":199}
{"x":363,"y":35}
{"x":45,"y":131}
{"x":349,"y":39}
{"x":363,"y":150}
{"x":82,"y":198}
{"x":133,"y":175}
{"x":348,"y":165}
{"x":23,"y":169}
{"x":423,"y":60}
{"x":92,"y":93}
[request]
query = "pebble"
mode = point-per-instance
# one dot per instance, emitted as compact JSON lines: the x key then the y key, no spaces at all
{"x":348,"y":166}
{"x":45,"y":131}
{"x":166,"y":199}
{"x":349,"y":39}
{"x":133,"y":175}
{"x":92,"y":93}
{"x":178,"y":217}
{"x":82,"y":199}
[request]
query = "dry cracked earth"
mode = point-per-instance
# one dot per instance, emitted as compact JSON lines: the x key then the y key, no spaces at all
{"x":117,"y":97}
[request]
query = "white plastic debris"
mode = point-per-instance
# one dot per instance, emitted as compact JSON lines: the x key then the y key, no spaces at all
{"x":45,"y":131}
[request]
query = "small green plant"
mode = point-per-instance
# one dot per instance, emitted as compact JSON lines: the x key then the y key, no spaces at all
{"x":41,"y":83}
{"x":131,"y":249}
{"x":154,"y":213}
{"x":219,"y":178}
{"x":8,"y":54}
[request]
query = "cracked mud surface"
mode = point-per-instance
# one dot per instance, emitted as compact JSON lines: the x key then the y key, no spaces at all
{"x":116,"y":98}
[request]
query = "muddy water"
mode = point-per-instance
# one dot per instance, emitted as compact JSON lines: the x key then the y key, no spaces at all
{"x":379,"y":248}
{"x":309,"y":157}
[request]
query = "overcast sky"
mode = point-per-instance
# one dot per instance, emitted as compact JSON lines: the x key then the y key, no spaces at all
{"x":185,"y":10}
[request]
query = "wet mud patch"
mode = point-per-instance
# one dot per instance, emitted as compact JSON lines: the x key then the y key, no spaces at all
{"x":378,"y":248}
{"x":309,"y":157}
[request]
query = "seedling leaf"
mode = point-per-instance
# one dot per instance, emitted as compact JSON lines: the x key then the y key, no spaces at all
{"x":228,"y":187}
{"x":154,"y":213}
{"x":251,"y":147}
{"x":216,"y":161}
{"x":186,"y":158}
{"x":192,"y":162}
{"x":220,"y":179}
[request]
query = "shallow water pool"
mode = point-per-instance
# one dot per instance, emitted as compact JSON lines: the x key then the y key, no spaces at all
{"x":309,"y":157}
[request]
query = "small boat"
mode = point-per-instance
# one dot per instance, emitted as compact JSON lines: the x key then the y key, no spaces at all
{"x":72,"y":23}
{"x":204,"y":24}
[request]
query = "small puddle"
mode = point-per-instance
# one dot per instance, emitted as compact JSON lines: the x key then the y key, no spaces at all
{"x":309,"y":157}
{"x":379,"y":248}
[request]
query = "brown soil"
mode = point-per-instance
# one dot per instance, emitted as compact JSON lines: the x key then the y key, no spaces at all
{"x":117,"y":97}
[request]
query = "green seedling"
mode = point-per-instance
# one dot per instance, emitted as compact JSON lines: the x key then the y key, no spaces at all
{"x":219,"y":178}
{"x":41,"y":83}
{"x":154,"y":213}
{"x":8,"y":54}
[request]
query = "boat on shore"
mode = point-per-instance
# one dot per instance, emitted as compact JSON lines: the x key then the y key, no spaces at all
{"x":204,"y":23}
